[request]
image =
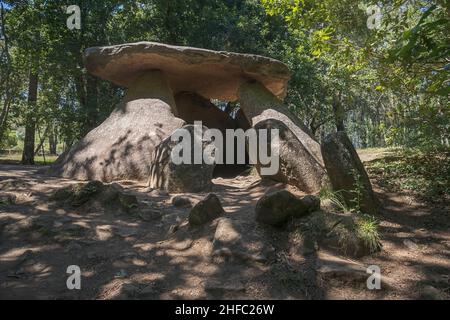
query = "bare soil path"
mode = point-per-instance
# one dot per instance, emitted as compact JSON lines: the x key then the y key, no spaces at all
{"x":154,"y":254}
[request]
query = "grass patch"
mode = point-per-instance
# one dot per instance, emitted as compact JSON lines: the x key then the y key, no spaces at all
{"x":16,"y":159}
{"x":424,"y":174}
{"x":350,"y":234}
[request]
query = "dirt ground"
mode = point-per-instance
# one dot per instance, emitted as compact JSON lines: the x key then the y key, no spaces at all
{"x":154,"y":254}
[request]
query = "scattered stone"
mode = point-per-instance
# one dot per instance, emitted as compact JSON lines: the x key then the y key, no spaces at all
{"x":278,"y":207}
{"x":146,"y":292}
{"x":226,"y":234}
{"x":410,"y":245}
{"x":431,"y":293}
{"x":73,"y":246}
{"x":128,"y":201}
{"x":128,"y":290}
{"x":181,"y":201}
{"x":149,"y":214}
{"x":206,"y":210}
{"x":331,"y":267}
{"x":184,"y":177}
{"x":347,"y":173}
{"x":217,"y":286}
{"x":158,"y":193}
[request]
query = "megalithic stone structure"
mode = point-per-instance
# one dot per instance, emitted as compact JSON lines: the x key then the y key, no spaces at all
{"x":122,"y":146}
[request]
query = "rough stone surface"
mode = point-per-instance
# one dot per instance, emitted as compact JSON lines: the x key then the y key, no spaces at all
{"x":346,"y":172}
{"x":206,"y":210}
{"x":212,"y":74}
{"x":278,"y":207}
{"x":181,"y":201}
{"x":300,"y":154}
{"x":106,"y":195}
{"x":121,"y":147}
{"x":179,"y":178}
{"x":297,"y":165}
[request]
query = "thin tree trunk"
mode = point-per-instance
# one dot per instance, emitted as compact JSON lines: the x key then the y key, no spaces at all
{"x":30,"y":121}
{"x":41,"y":141}
{"x":53,"y":140}
{"x":338,"y":112}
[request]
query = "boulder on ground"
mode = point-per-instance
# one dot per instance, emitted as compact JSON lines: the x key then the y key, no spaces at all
{"x":347,"y":174}
{"x":206,"y":210}
{"x":184,"y":177}
{"x":279,"y":207}
{"x":181,"y":201}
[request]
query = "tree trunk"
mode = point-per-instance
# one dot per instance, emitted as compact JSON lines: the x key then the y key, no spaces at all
{"x":338,"y":111}
{"x":53,"y":140}
{"x":30,"y":121}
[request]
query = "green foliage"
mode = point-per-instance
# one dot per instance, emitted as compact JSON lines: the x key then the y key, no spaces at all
{"x":367,"y":232}
{"x":425,"y":175}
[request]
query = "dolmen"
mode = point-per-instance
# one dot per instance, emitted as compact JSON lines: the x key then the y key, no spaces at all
{"x":168,"y":88}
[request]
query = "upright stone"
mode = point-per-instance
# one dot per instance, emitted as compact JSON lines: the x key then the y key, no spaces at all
{"x":121,"y":147}
{"x":301,"y":161}
{"x":347,"y":173}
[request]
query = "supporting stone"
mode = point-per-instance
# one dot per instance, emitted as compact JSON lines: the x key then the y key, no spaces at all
{"x":180,"y":178}
{"x":300,"y":153}
{"x":121,"y":147}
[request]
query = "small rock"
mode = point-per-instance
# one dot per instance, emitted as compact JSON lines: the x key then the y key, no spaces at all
{"x":332,"y":267}
{"x":146,"y":292}
{"x":278,"y":207}
{"x":128,"y":201}
{"x":431,"y":293}
{"x":72,"y":246}
{"x":181,"y":201}
{"x":128,"y":290}
{"x":158,"y":193}
{"x":206,"y":210}
{"x":226,"y":234}
{"x":150,"y":214}
{"x":126,"y":232}
{"x":410,"y":245}
{"x":230,"y":286}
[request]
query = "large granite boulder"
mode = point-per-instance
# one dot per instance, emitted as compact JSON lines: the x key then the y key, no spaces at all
{"x":301,"y":161}
{"x":277,"y":208}
{"x":297,"y":166}
{"x":347,"y":174}
{"x":121,"y":147}
{"x":211,"y":74}
{"x":184,"y":177}
{"x":206,"y":210}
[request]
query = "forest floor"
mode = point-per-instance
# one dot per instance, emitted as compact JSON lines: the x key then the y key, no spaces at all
{"x":154,"y":254}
